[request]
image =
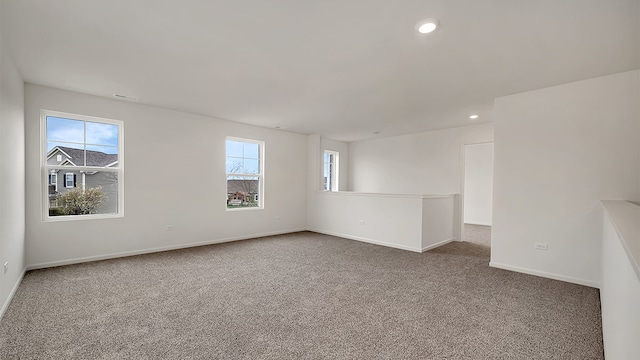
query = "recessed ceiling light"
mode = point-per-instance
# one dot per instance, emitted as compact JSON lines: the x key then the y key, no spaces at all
{"x":427,"y":26}
{"x":473,"y":117}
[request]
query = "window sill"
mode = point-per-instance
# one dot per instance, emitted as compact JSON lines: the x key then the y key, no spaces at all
{"x":246,"y":208}
{"x":63,"y":218}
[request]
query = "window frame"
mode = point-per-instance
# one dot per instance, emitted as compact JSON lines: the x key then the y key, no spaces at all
{"x":333,"y":170}
{"x":46,"y":169}
{"x":260,"y":176}
{"x":53,"y":179}
{"x":66,"y":180}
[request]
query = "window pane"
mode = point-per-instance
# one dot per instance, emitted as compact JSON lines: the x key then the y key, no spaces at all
{"x":243,"y":191}
{"x":102,"y":134}
{"x":67,"y":130}
{"x":242,"y":162}
{"x":102,"y":155}
{"x":234,"y":165}
{"x":70,"y":180}
{"x":251,"y":166}
{"x":94,"y":193}
{"x":234,"y":148}
{"x":329,"y":171}
{"x":251,"y":151}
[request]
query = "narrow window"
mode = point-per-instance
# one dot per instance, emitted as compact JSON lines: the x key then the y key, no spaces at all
{"x":88,"y":151}
{"x":53,"y":182}
{"x":244,"y":167}
{"x":53,"y":178}
{"x":330,"y":170}
{"x":69,"y":180}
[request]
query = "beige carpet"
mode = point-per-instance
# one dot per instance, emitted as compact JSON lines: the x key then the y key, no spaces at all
{"x":477,"y":234}
{"x":299,"y":296}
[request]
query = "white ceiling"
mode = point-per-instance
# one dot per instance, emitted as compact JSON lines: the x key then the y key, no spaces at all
{"x":339,"y":68}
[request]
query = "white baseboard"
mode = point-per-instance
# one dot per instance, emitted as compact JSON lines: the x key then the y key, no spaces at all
{"x":427,"y":248}
{"x":5,"y":306}
{"x":367,"y":240}
{"x":569,"y":279}
{"x":477,"y":223}
{"x":153,"y":250}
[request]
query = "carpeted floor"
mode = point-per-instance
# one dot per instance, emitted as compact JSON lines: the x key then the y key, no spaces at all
{"x":300,"y":296}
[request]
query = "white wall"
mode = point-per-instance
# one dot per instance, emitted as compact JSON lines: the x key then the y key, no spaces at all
{"x":439,"y":221}
{"x":343,"y":160}
{"x":389,"y":220}
{"x":478,"y":183}
{"x":423,"y":163}
{"x":159,"y":145}
{"x":558,"y":151}
{"x":409,"y":222}
{"x":12,"y":178}
{"x":620,"y":290}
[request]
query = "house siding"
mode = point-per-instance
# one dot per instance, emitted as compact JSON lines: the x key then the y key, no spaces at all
{"x":109,"y":183}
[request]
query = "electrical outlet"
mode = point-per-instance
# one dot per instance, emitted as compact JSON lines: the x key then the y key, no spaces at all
{"x":6,"y":267}
{"x":170,"y":228}
{"x":361,"y":222}
{"x":541,"y":246}
{"x":278,"y":217}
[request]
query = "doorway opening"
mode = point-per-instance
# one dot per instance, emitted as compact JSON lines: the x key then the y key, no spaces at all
{"x":477,"y":194}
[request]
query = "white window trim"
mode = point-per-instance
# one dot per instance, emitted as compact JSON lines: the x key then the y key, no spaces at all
{"x":46,"y":168}
{"x":335,"y":178}
{"x":260,"y":176}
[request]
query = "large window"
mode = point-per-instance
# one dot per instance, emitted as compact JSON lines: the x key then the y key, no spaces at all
{"x":244,"y":163}
{"x":87,"y":154}
{"x":330,"y":170}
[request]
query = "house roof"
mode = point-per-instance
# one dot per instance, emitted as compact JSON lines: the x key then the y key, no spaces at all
{"x":76,"y":156}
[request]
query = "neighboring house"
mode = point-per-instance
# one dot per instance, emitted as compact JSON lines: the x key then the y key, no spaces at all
{"x":63,"y":180}
{"x":241,"y":192}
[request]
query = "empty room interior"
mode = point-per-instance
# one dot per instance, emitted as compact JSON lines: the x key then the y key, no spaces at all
{"x":320,"y":179}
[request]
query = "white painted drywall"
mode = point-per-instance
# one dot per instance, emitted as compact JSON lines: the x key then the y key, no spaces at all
{"x":408,"y":222}
{"x":620,"y":290}
{"x":388,"y":220}
{"x":12,"y":178}
{"x":557,"y":152}
{"x":343,"y":160}
{"x":478,"y":183}
{"x":314,"y":173}
{"x":174,"y":175}
{"x":439,"y":221}
{"x":423,"y":163}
